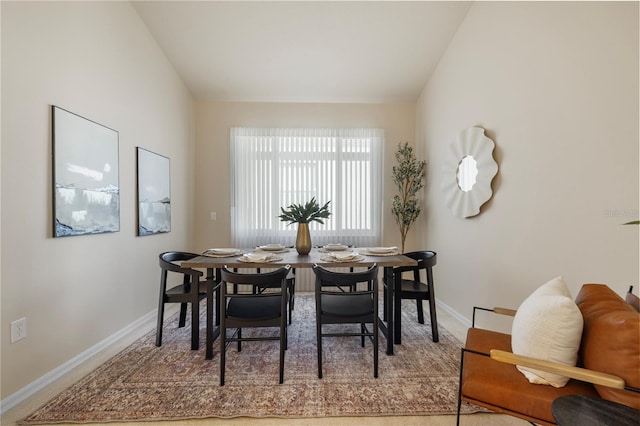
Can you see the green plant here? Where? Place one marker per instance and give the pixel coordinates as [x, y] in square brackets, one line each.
[408, 175]
[310, 212]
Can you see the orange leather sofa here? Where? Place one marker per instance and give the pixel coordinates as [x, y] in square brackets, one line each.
[608, 362]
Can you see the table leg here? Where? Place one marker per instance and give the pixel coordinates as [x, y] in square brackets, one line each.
[397, 309]
[389, 307]
[213, 286]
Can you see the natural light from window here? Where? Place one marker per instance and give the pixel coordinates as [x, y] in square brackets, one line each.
[273, 168]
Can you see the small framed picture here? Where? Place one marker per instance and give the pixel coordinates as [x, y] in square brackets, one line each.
[154, 193]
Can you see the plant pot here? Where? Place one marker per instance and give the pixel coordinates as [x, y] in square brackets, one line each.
[303, 240]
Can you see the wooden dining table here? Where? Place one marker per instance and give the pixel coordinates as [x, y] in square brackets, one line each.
[389, 324]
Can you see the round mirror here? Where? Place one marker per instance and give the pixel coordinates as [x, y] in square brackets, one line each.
[467, 172]
[468, 169]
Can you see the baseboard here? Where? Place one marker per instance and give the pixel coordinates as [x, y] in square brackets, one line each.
[453, 313]
[46, 380]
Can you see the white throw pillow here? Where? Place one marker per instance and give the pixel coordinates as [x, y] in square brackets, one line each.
[548, 326]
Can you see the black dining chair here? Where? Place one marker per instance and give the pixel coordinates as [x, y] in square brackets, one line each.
[255, 300]
[347, 298]
[190, 291]
[418, 290]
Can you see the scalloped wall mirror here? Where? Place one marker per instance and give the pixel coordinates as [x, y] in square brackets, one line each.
[467, 171]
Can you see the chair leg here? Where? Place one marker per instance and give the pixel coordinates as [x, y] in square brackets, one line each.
[460, 387]
[434, 319]
[432, 307]
[385, 312]
[183, 314]
[160, 323]
[283, 344]
[375, 349]
[319, 345]
[420, 311]
[195, 324]
[292, 298]
[363, 330]
[223, 351]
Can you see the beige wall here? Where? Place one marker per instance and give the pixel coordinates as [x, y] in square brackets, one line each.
[214, 119]
[98, 60]
[556, 86]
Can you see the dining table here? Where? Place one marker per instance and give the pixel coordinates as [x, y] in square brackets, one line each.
[389, 324]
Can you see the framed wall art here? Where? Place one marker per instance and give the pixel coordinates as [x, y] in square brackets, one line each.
[154, 193]
[86, 197]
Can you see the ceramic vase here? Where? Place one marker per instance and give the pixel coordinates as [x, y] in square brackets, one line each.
[303, 240]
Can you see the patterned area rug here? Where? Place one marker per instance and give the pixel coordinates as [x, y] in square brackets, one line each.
[144, 382]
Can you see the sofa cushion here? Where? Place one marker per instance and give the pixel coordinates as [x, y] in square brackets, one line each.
[611, 340]
[548, 326]
[500, 387]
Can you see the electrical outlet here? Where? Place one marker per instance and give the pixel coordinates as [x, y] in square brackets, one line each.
[213, 216]
[18, 329]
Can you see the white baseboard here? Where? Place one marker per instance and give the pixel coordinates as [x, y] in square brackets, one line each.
[453, 313]
[46, 380]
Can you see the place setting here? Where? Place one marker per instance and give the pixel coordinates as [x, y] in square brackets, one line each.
[222, 252]
[259, 257]
[380, 251]
[272, 248]
[339, 253]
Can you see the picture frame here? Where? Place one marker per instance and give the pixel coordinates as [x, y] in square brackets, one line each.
[86, 188]
[153, 193]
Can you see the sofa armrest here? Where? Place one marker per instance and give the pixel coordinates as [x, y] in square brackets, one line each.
[577, 373]
[495, 310]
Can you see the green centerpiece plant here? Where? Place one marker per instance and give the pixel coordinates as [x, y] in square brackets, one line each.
[408, 175]
[302, 215]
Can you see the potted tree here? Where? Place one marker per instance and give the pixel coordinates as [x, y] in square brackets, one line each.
[408, 175]
[302, 215]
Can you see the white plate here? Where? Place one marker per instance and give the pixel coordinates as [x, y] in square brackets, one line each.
[256, 258]
[335, 247]
[272, 247]
[221, 251]
[382, 250]
[330, 258]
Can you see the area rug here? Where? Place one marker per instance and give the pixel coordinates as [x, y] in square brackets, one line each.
[148, 383]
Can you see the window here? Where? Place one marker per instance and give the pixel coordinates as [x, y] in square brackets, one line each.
[273, 168]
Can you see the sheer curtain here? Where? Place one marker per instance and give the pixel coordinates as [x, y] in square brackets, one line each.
[273, 168]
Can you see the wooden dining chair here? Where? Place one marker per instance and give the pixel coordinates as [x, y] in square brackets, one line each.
[347, 298]
[190, 291]
[416, 289]
[255, 300]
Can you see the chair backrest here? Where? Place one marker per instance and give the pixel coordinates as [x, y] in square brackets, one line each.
[167, 262]
[345, 283]
[426, 259]
[254, 285]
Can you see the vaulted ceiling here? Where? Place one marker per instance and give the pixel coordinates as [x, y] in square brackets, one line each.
[306, 51]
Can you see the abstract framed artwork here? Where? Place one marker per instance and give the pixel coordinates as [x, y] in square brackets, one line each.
[154, 193]
[86, 197]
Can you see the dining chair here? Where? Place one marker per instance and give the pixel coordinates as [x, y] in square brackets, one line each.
[347, 298]
[418, 290]
[291, 289]
[190, 291]
[256, 300]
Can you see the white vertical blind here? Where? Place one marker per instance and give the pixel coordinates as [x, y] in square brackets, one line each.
[273, 168]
